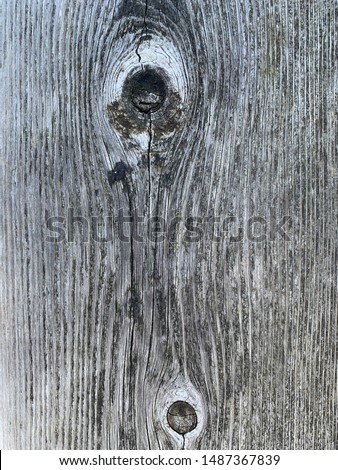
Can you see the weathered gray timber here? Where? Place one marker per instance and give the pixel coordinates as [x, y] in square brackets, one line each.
[120, 111]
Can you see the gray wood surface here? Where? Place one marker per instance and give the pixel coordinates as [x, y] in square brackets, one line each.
[99, 339]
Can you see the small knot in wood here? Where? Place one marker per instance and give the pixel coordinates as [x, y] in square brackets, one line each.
[182, 417]
[147, 91]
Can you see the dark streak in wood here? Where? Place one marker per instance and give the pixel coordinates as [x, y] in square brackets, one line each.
[118, 173]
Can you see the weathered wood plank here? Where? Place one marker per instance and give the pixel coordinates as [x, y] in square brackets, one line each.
[98, 338]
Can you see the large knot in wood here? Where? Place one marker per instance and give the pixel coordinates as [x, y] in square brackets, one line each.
[147, 95]
[182, 417]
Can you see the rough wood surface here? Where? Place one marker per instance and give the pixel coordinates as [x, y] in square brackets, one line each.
[98, 339]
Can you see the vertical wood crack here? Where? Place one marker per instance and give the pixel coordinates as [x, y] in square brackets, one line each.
[144, 30]
[150, 132]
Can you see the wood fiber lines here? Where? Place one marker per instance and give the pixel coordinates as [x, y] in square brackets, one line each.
[105, 323]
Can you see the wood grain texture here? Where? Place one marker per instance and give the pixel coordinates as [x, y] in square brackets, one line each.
[99, 339]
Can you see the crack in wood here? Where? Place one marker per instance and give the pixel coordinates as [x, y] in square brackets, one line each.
[144, 28]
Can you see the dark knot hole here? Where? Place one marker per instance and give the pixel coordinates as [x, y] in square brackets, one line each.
[148, 91]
